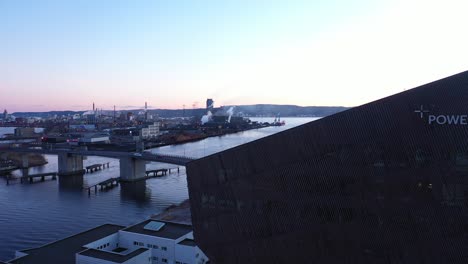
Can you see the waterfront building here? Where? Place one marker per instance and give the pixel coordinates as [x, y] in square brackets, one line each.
[152, 131]
[24, 132]
[385, 182]
[93, 138]
[128, 133]
[63, 251]
[151, 241]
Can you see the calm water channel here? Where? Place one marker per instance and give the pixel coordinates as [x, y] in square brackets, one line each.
[38, 213]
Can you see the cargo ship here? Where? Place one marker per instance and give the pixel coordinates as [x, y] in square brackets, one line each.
[278, 122]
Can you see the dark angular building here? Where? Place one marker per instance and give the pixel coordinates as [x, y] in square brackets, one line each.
[385, 182]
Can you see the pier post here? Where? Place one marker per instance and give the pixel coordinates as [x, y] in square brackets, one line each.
[25, 172]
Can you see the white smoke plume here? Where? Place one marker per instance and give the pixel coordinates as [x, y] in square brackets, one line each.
[206, 117]
[230, 112]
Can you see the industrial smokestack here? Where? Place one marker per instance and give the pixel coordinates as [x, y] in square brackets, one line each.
[209, 104]
[146, 111]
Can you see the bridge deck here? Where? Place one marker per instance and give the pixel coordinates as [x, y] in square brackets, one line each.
[148, 156]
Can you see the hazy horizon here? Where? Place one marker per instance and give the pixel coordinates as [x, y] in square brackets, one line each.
[133, 108]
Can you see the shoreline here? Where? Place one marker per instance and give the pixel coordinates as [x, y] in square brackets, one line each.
[34, 160]
[176, 213]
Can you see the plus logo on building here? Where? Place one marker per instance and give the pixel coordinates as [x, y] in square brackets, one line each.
[442, 119]
[421, 111]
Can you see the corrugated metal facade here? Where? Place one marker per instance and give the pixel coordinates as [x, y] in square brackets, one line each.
[386, 182]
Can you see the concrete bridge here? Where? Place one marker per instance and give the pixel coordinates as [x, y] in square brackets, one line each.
[132, 164]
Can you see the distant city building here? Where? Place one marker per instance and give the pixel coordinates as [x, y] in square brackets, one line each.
[128, 134]
[5, 114]
[21, 120]
[385, 182]
[82, 127]
[130, 116]
[151, 241]
[94, 138]
[122, 117]
[91, 119]
[209, 104]
[24, 132]
[152, 131]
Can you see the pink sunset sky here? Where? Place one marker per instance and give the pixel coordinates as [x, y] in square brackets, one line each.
[61, 55]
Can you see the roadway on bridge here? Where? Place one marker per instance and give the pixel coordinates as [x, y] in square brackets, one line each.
[147, 156]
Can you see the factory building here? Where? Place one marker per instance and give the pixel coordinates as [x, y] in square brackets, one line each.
[152, 131]
[209, 104]
[385, 182]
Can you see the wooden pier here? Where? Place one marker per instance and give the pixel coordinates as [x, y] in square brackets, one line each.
[159, 172]
[96, 167]
[106, 184]
[156, 173]
[31, 177]
[112, 182]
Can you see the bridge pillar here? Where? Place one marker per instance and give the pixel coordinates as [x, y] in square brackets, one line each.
[68, 163]
[132, 169]
[25, 165]
[25, 161]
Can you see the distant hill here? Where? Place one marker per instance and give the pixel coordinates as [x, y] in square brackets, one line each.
[287, 110]
[245, 110]
[46, 114]
[256, 110]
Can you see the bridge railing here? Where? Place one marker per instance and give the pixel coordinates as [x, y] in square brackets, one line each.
[172, 156]
[47, 149]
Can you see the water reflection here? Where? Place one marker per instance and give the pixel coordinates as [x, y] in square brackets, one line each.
[25, 172]
[135, 191]
[71, 182]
